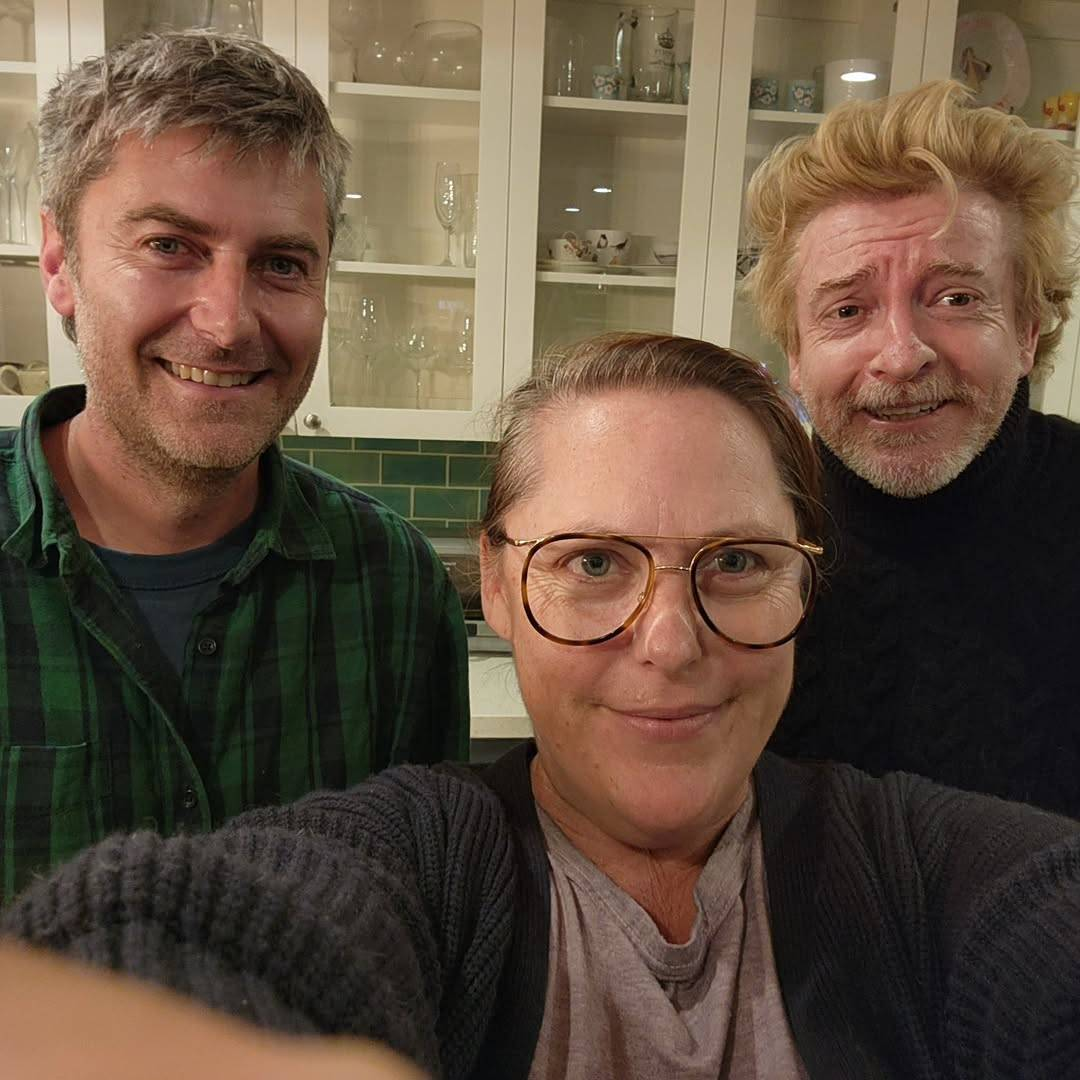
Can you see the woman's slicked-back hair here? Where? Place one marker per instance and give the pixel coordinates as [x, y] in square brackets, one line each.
[658, 364]
[909, 143]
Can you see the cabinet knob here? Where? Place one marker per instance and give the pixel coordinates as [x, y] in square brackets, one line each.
[313, 421]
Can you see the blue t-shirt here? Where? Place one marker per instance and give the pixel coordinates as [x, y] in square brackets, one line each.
[170, 590]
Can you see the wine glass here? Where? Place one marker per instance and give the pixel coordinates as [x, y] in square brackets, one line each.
[233, 17]
[26, 158]
[348, 21]
[8, 152]
[448, 201]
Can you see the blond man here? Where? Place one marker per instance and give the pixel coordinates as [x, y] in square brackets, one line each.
[916, 268]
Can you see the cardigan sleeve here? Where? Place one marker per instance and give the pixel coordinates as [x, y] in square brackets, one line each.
[381, 912]
[1003, 887]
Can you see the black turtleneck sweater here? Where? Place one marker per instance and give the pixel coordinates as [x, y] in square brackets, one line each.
[946, 638]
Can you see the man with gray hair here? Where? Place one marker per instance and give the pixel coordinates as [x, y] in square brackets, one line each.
[192, 624]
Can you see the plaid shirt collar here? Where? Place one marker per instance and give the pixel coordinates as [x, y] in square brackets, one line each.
[285, 523]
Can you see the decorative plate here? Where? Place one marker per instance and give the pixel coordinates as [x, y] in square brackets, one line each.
[991, 57]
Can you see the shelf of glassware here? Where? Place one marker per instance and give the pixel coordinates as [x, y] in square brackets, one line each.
[635, 119]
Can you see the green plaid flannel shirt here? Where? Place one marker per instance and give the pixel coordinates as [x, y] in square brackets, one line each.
[334, 648]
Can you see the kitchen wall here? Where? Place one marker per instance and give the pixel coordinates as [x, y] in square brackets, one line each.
[440, 486]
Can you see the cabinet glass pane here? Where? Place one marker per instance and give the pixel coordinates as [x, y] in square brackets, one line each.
[23, 349]
[124, 18]
[405, 92]
[1023, 57]
[613, 143]
[804, 56]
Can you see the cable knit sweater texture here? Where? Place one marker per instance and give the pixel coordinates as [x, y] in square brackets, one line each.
[946, 638]
[919, 932]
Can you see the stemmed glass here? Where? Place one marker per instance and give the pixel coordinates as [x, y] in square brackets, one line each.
[348, 21]
[8, 153]
[448, 201]
[232, 16]
[26, 157]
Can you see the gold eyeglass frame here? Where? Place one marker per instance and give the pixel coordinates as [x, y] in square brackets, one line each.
[712, 543]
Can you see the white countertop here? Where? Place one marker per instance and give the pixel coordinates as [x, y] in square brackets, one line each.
[497, 709]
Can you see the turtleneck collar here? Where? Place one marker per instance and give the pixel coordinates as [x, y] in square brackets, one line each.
[988, 481]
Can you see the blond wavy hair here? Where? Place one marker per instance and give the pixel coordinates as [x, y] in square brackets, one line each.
[906, 144]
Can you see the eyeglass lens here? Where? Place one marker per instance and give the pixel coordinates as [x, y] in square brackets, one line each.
[580, 589]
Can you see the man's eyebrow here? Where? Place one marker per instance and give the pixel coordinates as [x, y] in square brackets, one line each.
[839, 284]
[168, 215]
[948, 268]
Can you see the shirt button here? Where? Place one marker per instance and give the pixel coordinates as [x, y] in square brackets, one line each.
[191, 799]
[207, 646]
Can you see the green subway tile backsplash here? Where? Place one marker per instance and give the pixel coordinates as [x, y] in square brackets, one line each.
[427, 469]
[389, 444]
[352, 466]
[440, 485]
[446, 446]
[316, 442]
[469, 471]
[459, 503]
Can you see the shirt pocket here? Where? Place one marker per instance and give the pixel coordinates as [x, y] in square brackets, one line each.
[52, 805]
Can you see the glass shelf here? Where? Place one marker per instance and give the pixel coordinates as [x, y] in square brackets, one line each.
[619, 119]
[628, 281]
[352, 266]
[415, 93]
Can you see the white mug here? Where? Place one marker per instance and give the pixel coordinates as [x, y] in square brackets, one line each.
[28, 381]
[612, 246]
[568, 248]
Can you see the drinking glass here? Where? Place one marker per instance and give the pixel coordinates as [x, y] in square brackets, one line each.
[8, 154]
[418, 354]
[233, 16]
[564, 51]
[469, 223]
[448, 201]
[26, 157]
[654, 53]
[348, 21]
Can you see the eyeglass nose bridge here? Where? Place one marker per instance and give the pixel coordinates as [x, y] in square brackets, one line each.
[646, 596]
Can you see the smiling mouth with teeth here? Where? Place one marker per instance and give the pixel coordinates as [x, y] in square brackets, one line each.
[210, 378]
[906, 412]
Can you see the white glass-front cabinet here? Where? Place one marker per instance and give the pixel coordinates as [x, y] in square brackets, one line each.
[1025, 55]
[611, 170]
[527, 172]
[421, 89]
[30, 56]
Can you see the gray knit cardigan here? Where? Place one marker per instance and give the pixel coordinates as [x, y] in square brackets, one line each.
[919, 932]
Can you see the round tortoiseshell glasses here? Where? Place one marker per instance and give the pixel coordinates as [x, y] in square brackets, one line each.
[586, 588]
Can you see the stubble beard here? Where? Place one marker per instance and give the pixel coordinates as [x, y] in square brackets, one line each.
[908, 465]
[183, 462]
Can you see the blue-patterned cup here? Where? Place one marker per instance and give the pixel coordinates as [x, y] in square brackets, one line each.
[764, 92]
[802, 95]
[606, 81]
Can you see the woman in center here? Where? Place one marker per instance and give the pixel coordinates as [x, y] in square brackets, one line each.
[648, 549]
[642, 892]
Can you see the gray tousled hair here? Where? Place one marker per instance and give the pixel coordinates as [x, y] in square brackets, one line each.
[249, 99]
